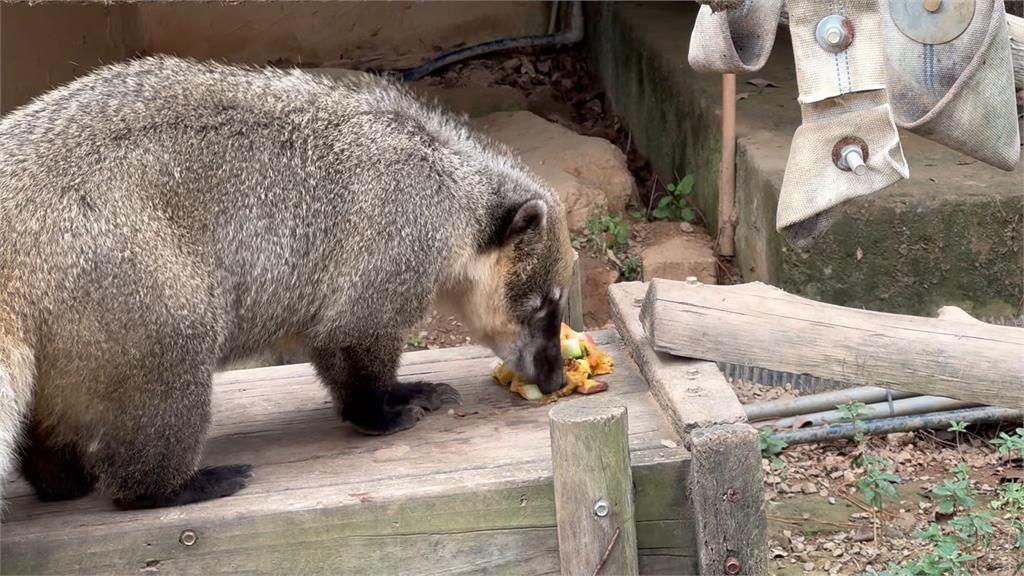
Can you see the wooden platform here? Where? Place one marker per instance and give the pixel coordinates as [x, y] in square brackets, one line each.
[457, 494]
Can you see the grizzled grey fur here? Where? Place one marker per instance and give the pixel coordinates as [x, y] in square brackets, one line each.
[161, 217]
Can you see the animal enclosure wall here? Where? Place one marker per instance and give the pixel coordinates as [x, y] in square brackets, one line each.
[46, 44]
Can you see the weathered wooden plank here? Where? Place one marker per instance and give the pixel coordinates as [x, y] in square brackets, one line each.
[692, 393]
[504, 529]
[759, 325]
[471, 493]
[593, 488]
[728, 500]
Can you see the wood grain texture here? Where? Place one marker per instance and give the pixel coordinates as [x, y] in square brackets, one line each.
[692, 393]
[590, 454]
[759, 325]
[728, 500]
[456, 494]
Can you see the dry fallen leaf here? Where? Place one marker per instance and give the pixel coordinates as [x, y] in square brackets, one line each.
[761, 83]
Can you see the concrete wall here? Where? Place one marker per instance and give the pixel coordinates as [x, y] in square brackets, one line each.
[43, 45]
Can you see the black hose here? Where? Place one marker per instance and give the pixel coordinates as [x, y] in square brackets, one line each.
[571, 36]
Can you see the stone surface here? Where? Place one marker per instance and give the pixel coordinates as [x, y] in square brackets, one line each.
[674, 255]
[953, 234]
[590, 174]
[598, 275]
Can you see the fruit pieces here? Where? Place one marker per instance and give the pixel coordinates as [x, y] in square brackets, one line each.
[582, 360]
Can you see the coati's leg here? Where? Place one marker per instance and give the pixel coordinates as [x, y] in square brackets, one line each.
[147, 454]
[55, 470]
[361, 379]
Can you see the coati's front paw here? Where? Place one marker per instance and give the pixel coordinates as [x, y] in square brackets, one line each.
[389, 420]
[426, 395]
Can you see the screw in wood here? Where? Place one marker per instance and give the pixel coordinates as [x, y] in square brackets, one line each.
[188, 537]
[601, 508]
[732, 495]
[692, 373]
[733, 565]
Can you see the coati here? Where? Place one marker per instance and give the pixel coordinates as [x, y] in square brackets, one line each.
[162, 216]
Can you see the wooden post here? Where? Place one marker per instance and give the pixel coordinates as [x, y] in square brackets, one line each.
[574, 305]
[727, 170]
[728, 500]
[593, 488]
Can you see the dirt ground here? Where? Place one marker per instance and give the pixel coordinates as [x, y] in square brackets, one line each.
[819, 521]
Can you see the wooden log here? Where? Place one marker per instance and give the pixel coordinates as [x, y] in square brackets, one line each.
[593, 488]
[759, 325]
[691, 393]
[728, 500]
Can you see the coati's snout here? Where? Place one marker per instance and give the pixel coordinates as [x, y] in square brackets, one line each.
[537, 355]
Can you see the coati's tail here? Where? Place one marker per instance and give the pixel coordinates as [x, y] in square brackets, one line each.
[17, 375]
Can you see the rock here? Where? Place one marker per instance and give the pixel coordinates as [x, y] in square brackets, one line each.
[550, 105]
[598, 275]
[808, 566]
[589, 174]
[675, 256]
[472, 99]
[809, 488]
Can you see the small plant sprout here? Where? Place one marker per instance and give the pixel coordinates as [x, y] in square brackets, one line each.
[1007, 442]
[953, 494]
[674, 205]
[771, 447]
[1010, 498]
[851, 412]
[877, 485]
[417, 342]
[957, 426]
[970, 527]
[632, 268]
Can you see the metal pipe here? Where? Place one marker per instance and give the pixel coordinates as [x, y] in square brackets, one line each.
[904, 407]
[571, 36]
[817, 402]
[982, 415]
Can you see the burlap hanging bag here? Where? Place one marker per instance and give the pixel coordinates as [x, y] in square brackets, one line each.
[734, 36]
[844, 103]
[950, 76]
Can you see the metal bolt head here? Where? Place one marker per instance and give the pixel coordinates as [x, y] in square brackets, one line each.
[932, 5]
[188, 537]
[692, 281]
[853, 159]
[692, 373]
[601, 508]
[833, 33]
[733, 565]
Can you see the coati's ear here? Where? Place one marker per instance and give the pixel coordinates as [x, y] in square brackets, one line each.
[530, 215]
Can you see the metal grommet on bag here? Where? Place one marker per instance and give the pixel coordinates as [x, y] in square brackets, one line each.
[834, 33]
[851, 154]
